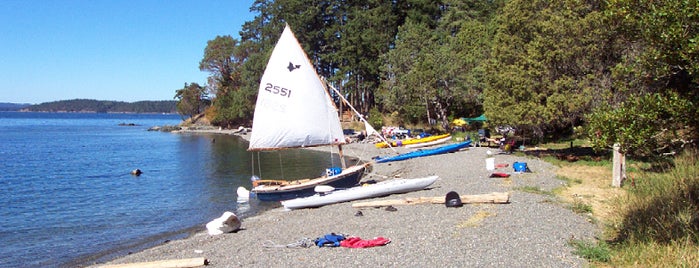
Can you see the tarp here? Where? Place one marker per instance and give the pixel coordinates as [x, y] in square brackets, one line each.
[480, 118]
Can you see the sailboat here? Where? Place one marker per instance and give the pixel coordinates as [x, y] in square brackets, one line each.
[295, 110]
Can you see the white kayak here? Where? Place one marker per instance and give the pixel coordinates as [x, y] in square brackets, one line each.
[361, 192]
[429, 143]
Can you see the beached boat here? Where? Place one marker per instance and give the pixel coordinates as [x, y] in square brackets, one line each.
[406, 142]
[294, 110]
[383, 188]
[429, 143]
[425, 152]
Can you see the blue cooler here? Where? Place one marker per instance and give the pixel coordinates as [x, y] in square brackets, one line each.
[333, 171]
[520, 167]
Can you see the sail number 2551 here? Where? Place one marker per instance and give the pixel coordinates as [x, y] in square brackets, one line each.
[284, 92]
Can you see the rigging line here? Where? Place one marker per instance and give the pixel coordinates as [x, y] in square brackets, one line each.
[330, 128]
[252, 163]
[259, 166]
[361, 118]
[331, 152]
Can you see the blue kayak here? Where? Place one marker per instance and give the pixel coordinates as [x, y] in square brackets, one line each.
[426, 152]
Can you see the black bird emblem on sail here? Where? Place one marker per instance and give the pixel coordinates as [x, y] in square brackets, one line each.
[292, 67]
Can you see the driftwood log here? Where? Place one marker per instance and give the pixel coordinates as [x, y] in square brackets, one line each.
[175, 263]
[491, 198]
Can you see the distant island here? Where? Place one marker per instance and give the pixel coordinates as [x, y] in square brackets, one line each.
[98, 106]
[6, 106]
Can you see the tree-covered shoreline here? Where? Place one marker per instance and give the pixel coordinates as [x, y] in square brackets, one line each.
[101, 106]
[619, 71]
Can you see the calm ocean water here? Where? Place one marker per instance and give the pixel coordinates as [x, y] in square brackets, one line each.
[68, 198]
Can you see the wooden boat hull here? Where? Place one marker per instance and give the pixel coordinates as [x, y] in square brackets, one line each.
[420, 153]
[361, 192]
[302, 188]
[412, 141]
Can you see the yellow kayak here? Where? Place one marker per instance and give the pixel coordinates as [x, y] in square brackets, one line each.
[412, 141]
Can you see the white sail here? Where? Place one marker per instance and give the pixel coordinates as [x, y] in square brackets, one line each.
[293, 109]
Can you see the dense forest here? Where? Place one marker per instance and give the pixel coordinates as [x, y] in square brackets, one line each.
[613, 71]
[97, 106]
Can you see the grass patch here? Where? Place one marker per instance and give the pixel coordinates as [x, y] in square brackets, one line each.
[592, 251]
[534, 190]
[654, 254]
[653, 221]
[581, 208]
[569, 181]
[663, 207]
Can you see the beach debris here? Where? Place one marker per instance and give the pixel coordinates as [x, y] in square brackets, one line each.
[391, 208]
[359, 213]
[452, 200]
[227, 223]
[302, 243]
[491, 198]
[192, 262]
[136, 172]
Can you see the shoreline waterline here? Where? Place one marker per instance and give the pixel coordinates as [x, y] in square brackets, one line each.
[530, 230]
[181, 234]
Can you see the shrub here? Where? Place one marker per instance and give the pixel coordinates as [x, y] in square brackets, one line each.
[664, 207]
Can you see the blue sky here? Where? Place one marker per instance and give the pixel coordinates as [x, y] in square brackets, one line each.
[108, 49]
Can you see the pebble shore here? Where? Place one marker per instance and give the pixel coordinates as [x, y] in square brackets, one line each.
[533, 230]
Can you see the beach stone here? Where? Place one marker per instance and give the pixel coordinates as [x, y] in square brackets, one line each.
[227, 223]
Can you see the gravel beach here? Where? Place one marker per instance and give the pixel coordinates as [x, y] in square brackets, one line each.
[533, 230]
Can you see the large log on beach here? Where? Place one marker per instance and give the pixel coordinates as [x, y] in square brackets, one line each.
[491, 198]
[176, 263]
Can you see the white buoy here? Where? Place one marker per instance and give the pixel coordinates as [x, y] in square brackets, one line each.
[243, 194]
[323, 189]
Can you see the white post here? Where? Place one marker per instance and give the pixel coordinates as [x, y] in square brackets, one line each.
[618, 167]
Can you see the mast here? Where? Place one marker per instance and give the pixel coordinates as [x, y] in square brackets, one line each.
[342, 157]
[361, 118]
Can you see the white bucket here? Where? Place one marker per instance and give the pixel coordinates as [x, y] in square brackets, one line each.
[490, 163]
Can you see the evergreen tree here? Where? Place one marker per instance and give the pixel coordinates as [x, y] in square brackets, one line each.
[653, 106]
[548, 65]
[403, 90]
[191, 100]
[223, 59]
